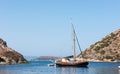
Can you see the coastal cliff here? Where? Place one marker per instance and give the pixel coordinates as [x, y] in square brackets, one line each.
[8, 55]
[106, 50]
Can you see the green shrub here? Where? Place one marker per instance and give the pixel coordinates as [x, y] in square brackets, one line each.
[97, 48]
[109, 57]
[102, 52]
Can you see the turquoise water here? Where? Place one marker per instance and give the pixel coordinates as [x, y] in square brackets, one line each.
[41, 67]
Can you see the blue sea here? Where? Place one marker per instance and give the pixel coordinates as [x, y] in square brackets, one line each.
[41, 67]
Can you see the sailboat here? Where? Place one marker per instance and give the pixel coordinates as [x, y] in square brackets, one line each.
[72, 60]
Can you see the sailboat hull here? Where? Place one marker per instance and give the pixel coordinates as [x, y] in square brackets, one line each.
[72, 64]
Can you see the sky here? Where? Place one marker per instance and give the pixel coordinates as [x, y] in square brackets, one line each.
[43, 27]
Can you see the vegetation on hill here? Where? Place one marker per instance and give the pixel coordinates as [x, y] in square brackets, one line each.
[108, 49]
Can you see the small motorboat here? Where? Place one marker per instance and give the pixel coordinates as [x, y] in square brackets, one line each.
[51, 64]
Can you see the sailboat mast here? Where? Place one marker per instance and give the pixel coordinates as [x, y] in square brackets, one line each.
[74, 45]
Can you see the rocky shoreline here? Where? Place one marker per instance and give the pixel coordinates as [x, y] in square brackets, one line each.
[9, 56]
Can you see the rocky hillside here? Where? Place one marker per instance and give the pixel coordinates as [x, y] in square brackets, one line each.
[8, 55]
[108, 49]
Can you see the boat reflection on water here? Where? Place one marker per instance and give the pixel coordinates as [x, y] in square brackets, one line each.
[68, 70]
[72, 70]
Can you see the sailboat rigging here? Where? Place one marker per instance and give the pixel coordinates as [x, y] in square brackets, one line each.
[75, 37]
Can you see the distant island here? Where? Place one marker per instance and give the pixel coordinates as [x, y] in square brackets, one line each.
[9, 56]
[46, 58]
[106, 50]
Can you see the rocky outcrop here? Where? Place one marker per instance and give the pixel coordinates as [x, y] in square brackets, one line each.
[8, 55]
[108, 49]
